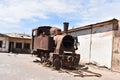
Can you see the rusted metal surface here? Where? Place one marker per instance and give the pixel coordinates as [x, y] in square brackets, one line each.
[49, 42]
[43, 42]
[40, 40]
[55, 31]
[66, 24]
[64, 43]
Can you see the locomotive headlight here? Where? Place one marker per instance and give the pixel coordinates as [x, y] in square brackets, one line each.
[68, 41]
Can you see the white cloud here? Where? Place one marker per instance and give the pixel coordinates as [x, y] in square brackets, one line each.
[14, 12]
[100, 11]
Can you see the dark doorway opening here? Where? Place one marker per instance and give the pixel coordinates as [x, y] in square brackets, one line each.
[11, 46]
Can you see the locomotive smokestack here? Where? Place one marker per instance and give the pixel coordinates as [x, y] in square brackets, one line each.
[66, 25]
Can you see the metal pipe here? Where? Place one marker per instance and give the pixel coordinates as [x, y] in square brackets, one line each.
[66, 25]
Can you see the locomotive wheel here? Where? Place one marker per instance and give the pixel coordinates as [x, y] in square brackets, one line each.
[57, 63]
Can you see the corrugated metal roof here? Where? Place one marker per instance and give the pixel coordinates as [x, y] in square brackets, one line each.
[3, 35]
[92, 25]
[17, 35]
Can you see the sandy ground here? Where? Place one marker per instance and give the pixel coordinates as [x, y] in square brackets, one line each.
[21, 67]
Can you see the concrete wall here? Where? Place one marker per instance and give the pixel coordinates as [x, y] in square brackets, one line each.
[116, 55]
[84, 37]
[101, 47]
[95, 44]
[5, 44]
[116, 48]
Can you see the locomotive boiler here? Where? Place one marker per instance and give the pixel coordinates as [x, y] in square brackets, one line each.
[55, 47]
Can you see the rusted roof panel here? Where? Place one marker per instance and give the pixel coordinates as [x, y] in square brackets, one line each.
[16, 35]
[93, 25]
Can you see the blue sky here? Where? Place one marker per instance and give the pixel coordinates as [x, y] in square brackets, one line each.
[21, 16]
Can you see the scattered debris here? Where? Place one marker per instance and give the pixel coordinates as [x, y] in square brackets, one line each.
[37, 60]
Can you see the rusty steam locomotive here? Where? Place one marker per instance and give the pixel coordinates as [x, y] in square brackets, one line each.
[55, 47]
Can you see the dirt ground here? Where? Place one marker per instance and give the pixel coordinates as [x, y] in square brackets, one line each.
[22, 67]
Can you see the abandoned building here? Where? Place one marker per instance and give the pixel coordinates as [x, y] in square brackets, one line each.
[16, 43]
[99, 43]
[4, 42]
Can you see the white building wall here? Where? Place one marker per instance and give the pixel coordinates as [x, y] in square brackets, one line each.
[84, 37]
[5, 45]
[101, 47]
[96, 45]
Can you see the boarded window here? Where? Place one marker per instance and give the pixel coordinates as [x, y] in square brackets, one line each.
[26, 46]
[18, 45]
[1, 42]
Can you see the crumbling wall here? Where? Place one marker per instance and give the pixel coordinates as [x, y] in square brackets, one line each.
[5, 44]
[116, 47]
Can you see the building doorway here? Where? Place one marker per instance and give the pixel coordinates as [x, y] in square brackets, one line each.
[11, 46]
